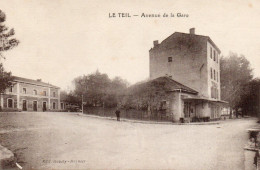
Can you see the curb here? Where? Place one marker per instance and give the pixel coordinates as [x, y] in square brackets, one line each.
[7, 159]
[148, 122]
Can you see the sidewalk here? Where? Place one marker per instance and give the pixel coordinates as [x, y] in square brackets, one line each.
[148, 121]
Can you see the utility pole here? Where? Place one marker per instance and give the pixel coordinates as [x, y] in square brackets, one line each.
[82, 105]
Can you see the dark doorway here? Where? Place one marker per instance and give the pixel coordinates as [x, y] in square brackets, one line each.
[187, 109]
[54, 105]
[44, 108]
[10, 103]
[34, 105]
[24, 105]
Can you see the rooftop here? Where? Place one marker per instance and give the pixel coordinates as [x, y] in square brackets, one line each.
[191, 34]
[166, 83]
[34, 82]
[174, 85]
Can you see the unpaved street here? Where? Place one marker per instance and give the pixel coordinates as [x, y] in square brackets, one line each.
[66, 140]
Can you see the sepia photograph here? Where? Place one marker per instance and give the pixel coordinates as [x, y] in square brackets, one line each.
[110, 84]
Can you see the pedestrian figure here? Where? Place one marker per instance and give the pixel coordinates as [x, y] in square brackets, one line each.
[117, 114]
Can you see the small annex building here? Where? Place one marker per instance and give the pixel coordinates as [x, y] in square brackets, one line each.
[172, 100]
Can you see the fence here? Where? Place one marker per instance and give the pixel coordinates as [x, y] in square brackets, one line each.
[128, 113]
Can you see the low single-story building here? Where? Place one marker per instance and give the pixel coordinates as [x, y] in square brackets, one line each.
[176, 101]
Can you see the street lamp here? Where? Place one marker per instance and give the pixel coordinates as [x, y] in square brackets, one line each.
[82, 105]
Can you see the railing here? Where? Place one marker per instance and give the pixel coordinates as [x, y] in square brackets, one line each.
[129, 113]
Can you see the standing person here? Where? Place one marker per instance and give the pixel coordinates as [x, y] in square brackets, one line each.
[118, 114]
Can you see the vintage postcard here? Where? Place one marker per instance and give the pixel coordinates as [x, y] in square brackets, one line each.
[110, 84]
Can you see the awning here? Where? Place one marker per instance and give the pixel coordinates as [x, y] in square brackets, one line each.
[205, 99]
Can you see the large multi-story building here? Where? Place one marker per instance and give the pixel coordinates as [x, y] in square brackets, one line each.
[31, 95]
[192, 60]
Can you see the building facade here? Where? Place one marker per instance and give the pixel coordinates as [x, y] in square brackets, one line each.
[30, 95]
[192, 60]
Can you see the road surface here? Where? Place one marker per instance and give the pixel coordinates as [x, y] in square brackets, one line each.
[67, 140]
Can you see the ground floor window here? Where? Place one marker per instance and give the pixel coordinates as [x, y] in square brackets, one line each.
[61, 105]
[214, 111]
[10, 103]
[54, 105]
[163, 105]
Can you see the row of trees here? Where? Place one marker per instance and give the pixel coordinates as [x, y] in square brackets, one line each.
[97, 89]
[238, 86]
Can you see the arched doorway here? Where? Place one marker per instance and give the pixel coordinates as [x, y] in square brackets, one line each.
[34, 105]
[24, 105]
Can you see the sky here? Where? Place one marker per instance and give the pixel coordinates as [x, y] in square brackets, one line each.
[63, 39]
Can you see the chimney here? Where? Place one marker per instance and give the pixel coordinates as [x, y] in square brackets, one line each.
[155, 43]
[192, 31]
[39, 80]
